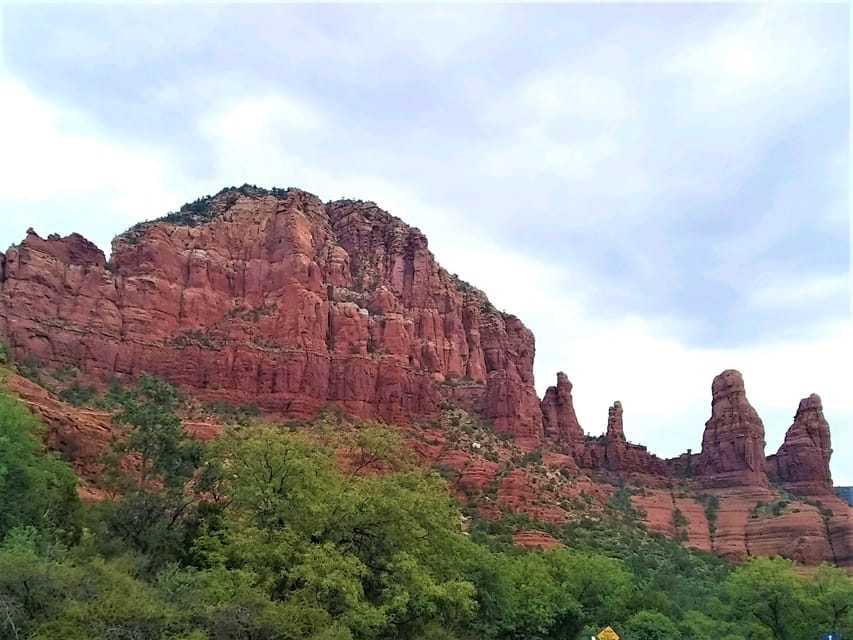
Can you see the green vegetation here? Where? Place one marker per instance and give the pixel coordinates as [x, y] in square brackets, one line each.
[78, 395]
[712, 507]
[372, 347]
[263, 534]
[233, 414]
[252, 314]
[203, 210]
[196, 338]
[38, 489]
[30, 368]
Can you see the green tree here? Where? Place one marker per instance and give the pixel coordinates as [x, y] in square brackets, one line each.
[769, 592]
[31, 586]
[598, 584]
[37, 488]
[371, 556]
[166, 455]
[650, 625]
[156, 510]
[831, 598]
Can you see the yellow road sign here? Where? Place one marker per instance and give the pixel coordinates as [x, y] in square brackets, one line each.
[608, 633]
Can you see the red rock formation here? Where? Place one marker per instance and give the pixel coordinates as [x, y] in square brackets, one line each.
[615, 445]
[517, 494]
[80, 436]
[675, 516]
[799, 534]
[478, 475]
[802, 462]
[615, 453]
[559, 421]
[276, 297]
[537, 539]
[733, 442]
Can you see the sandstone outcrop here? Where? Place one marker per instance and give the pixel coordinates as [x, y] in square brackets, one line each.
[276, 296]
[614, 453]
[733, 441]
[802, 462]
[559, 421]
[536, 539]
[79, 436]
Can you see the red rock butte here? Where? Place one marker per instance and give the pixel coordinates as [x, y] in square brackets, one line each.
[280, 297]
[274, 297]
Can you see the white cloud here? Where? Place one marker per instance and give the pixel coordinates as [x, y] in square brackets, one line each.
[576, 94]
[51, 157]
[805, 292]
[438, 34]
[747, 62]
[568, 123]
[253, 119]
[687, 119]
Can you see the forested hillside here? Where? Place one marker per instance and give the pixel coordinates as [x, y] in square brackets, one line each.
[327, 533]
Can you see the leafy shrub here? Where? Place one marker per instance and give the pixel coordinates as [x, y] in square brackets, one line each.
[30, 368]
[233, 414]
[77, 395]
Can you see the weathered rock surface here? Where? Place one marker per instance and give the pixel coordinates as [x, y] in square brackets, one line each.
[674, 515]
[733, 442]
[517, 494]
[537, 539]
[623, 456]
[80, 436]
[802, 462]
[277, 297]
[798, 533]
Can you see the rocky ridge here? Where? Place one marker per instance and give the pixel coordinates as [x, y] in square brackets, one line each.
[277, 297]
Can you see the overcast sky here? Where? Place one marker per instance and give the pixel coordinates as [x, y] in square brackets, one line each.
[659, 191]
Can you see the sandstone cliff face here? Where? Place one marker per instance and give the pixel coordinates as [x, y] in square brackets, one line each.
[802, 462]
[276, 296]
[733, 442]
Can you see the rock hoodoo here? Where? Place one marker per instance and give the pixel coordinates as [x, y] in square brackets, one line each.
[733, 442]
[802, 462]
[615, 444]
[559, 421]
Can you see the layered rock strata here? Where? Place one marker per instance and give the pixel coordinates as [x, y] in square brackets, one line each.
[278, 297]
